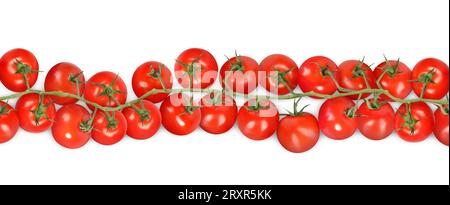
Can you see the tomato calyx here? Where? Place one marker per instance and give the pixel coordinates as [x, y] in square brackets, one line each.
[297, 112]
[256, 106]
[324, 70]
[236, 66]
[191, 69]
[425, 78]
[280, 77]
[109, 91]
[156, 73]
[359, 71]
[74, 79]
[24, 69]
[375, 104]
[40, 110]
[111, 120]
[143, 113]
[392, 71]
[410, 122]
[4, 110]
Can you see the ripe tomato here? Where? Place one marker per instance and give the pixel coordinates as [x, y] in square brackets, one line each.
[71, 128]
[14, 66]
[350, 76]
[106, 89]
[143, 120]
[152, 75]
[9, 122]
[36, 113]
[180, 114]
[375, 121]
[396, 79]
[109, 127]
[258, 121]
[441, 126]
[414, 124]
[298, 133]
[435, 73]
[241, 74]
[314, 75]
[64, 77]
[278, 74]
[200, 64]
[219, 113]
[336, 118]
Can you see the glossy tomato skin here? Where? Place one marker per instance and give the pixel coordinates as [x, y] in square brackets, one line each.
[217, 118]
[398, 84]
[8, 68]
[375, 123]
[59, 78]
[311, 77]
[141, 129]
[260, 124]
[298, 133]
[175, 117]
[203, 77]
[346, 79]
[109, 135]
[333, 121]
[93, 90]
[66, 129]
[9, 122]
[269, 67]
[29, 103]
[423, 127]
[441, 126]
[145, 80]
[241, 81]
[439, 87]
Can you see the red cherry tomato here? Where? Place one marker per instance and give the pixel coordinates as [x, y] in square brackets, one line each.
[258, 121]
[16, 63]
[143, 120]
[36, 113]
[9, 122]
[71, 128]
[64, 77]
[278, 74]
[298, 133]
[375, 121]
[241, 74]
[336, 119]
[441, 126]
[200, 63]
[106, 89]
[148, 76]
[314, 75]
[109, 127]
[435, 73]
[414, 124]
[219, 113]
[180, 114]
[396, 79]
[350, 76]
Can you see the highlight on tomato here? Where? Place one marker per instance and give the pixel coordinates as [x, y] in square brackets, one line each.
[152, 75]
[430, 79]
[258, 119]
[36, 112]
[65, 77]
[72, 127]
[219, 112]
[196, 68]
[239, 74]
[143, 120]
[278, 74]
[107, 89]
[316, 75]
[19, 70]
[414, 122]
[394, 77]
[9, 122]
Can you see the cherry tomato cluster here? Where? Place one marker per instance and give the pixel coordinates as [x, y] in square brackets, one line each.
[108, 117]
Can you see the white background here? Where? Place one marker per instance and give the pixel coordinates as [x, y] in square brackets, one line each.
[120, 35]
